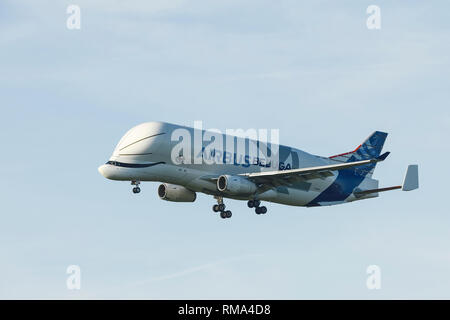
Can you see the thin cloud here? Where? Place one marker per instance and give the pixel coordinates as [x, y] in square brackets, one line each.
[197, 269]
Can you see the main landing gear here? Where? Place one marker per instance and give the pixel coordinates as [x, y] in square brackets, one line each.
[220, 207]
[136, 189]
[256, 204]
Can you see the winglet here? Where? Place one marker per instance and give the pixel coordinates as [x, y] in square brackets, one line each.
[411, 180]
[383, 156]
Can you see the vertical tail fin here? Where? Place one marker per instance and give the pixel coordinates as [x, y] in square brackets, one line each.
[369, 149]
[411, 180]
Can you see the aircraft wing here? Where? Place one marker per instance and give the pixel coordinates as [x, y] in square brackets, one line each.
[278, 177]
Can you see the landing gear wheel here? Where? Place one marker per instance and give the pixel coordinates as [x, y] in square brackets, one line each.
[136, 190]
[263, 209]
[220, 207]
[256, 203]
[251, 203]
[258, 210]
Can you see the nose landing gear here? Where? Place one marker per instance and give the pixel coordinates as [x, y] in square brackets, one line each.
[256, 204]
[220, 207]
[136, 189]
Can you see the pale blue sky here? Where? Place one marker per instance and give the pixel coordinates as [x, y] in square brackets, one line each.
[311, 69]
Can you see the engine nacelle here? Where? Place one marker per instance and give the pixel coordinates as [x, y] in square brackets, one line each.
[176, 193]
[235, 185]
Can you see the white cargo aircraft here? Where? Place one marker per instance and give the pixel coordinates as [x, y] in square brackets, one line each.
[291, 177]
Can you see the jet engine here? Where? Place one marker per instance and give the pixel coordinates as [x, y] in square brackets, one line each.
[235, 185]
[176, 193]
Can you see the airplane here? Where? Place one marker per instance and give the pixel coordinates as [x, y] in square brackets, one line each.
[148, 152]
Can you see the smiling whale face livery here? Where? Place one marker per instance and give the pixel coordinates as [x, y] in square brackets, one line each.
[188, 160]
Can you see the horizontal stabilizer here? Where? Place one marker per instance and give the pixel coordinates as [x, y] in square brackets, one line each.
[360, 193]
[383, 156]
[411, 181]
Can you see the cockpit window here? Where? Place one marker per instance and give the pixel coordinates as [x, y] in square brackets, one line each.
[133, 165]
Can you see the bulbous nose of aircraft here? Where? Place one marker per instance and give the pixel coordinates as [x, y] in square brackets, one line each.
[140, 140]
[104, 171]
[113, 171]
